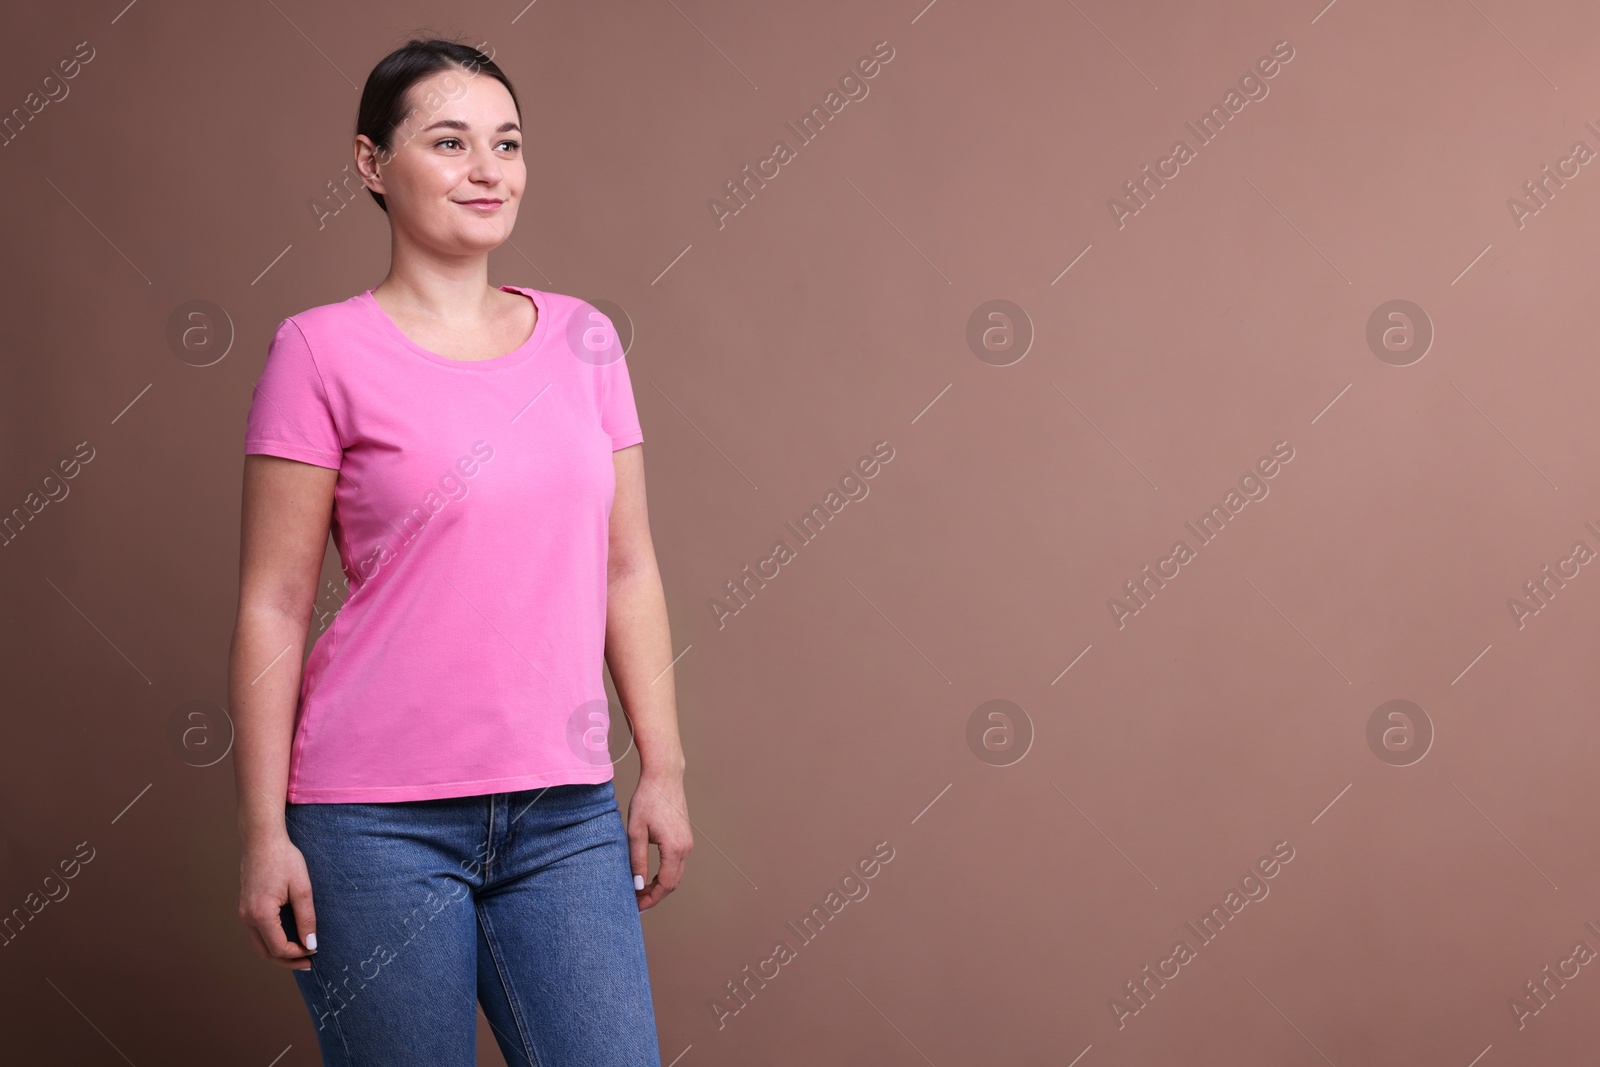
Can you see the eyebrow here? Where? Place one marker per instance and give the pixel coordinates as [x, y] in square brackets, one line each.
[457, 124]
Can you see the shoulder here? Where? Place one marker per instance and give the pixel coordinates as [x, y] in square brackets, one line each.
[337, 315]
[328, 329]
[561, 307]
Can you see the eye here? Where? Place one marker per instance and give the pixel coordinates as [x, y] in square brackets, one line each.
[515, 144]
[447, 140]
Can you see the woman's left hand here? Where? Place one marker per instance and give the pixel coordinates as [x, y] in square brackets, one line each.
[658, 814]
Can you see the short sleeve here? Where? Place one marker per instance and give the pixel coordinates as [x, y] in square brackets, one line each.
[618, 415]
[290, 415]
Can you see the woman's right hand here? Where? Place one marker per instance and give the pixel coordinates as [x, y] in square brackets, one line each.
[272, 872]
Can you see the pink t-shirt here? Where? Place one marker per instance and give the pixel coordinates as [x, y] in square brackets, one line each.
[471, 516]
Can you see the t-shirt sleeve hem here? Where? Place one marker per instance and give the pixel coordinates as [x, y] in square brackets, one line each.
[298, 452]
[623, 440]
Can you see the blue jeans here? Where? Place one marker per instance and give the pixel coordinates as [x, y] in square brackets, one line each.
[521, 901]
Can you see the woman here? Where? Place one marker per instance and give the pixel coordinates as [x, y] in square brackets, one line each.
[426, 814]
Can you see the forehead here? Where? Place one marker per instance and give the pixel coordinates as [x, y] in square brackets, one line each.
[454, 93]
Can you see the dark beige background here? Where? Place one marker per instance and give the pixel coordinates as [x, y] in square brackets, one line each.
[768, 355]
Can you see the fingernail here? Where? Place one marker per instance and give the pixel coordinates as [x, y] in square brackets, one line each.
[638, 881]
[311, 942]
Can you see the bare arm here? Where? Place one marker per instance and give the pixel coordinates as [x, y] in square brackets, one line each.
[638, 650]
[284, 530]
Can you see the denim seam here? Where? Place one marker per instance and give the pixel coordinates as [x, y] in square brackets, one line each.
[511, 999]
[488, 843]
[328, 1003]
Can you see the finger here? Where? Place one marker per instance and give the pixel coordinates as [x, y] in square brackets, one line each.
[673, 858]
[267, 920]
[305, 916]
[653, 894]
[254, 935]
[639, 855]
[296, 961]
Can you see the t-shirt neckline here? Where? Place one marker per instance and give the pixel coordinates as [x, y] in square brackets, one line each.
[515, 356]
